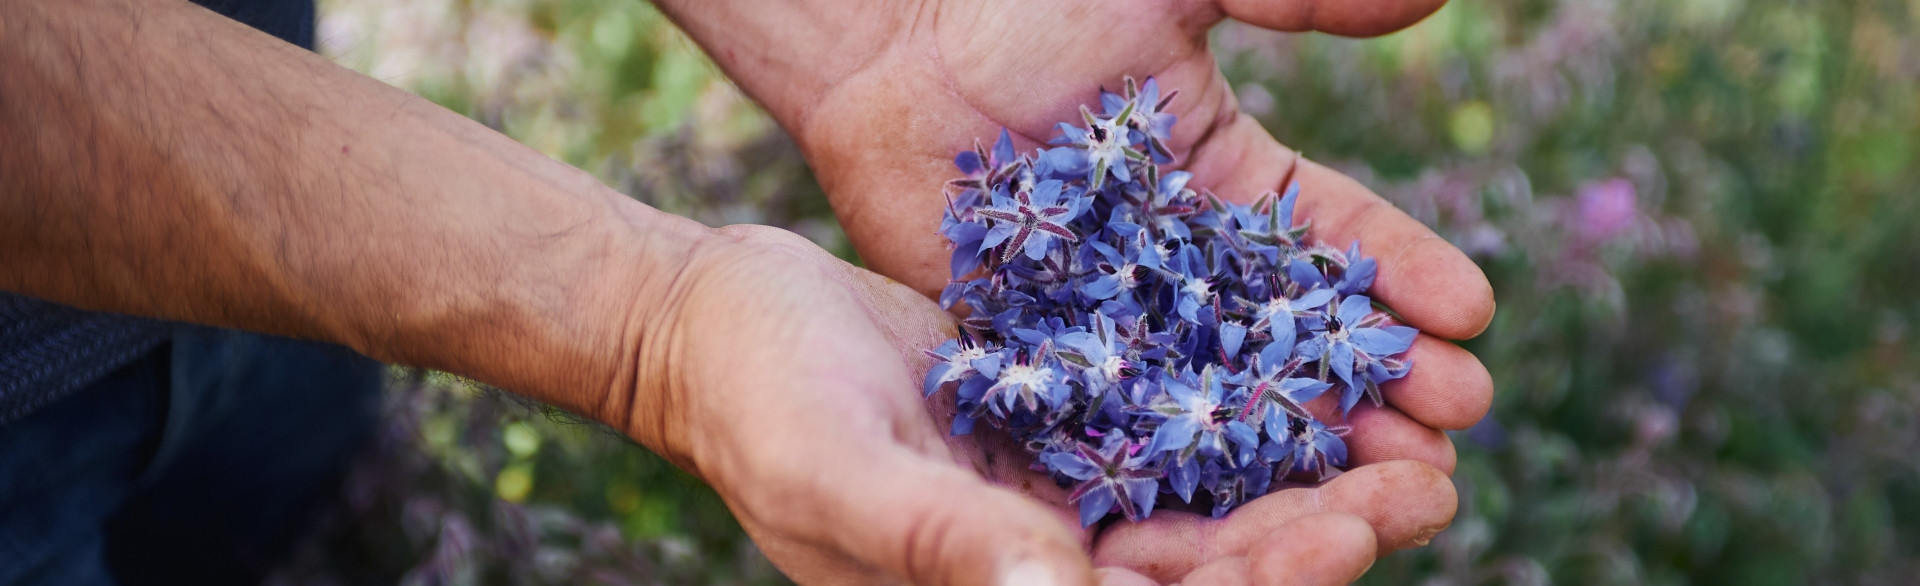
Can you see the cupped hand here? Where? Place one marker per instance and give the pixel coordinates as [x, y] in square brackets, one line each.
[881, 96]
[775, 372]
[787, 379]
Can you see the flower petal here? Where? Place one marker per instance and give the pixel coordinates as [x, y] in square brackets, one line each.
[1340, 359]
[1073, 465]
[1307, 275]
[1301, 390]
[1355, 308]
[1003, 148]
[969, 163]
[1359, 277]
[1142, 492]
[1314, 299]
[1095, 504]
[1184, 477]
[1232, 335]
[936, 376]
[1175, 434]
[962, 425]
[1377, 342]
[1331, 445]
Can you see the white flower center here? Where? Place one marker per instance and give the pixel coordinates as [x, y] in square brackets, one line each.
[1025, 375]
[1199, 288]
[965, 357]
[1126, 277]
[1279, 306]
[1109, 148]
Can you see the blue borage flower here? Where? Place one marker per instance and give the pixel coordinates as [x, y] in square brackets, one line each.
[1142, 338]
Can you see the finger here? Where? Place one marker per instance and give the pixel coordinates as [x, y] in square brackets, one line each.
[1122, 577]
[930, 522]
[1431, 284]
[1327, 548]
[1448, 387]
[1352, 18]
[1406, 504]
[1384, 434]
[1232, 571]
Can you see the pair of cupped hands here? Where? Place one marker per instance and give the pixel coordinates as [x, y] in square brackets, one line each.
[789, 379]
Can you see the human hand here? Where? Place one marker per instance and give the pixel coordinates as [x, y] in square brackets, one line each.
[880, 99]
[787, 379]
[775, 372]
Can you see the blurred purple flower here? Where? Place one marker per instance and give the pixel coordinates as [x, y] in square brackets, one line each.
[1605, 209]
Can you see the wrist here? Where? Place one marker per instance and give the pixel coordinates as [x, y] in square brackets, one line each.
[790, 55]
[609, 354]
[722, 320]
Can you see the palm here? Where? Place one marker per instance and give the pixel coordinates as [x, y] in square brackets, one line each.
[979, 104]
[896, 94]
[953, 84]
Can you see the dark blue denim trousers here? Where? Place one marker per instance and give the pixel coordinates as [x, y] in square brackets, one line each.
[197, 464]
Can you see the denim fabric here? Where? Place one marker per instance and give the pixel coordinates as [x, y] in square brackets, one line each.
[196, 464]
[139, 452]
[49, 350]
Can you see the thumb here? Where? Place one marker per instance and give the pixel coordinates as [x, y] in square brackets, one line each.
[931, 522]
[1347, 18]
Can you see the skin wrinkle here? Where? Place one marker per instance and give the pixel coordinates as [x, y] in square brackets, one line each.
[672, 331]
[1408, 247]
[920, 550]
[1312, 9]
[1226, 112]
[699, 14]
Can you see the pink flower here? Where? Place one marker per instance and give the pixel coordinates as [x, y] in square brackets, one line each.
[1605, 209]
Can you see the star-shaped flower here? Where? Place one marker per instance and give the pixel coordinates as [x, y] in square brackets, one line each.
[1233, 485]
[1145, 113]
[956, 358]
[1268, 226]
[1277, 316]
[1030, 377]
[1031, 221]
[1102, 148]
[1302, 444]
[984, 168]
[1103, 353]
[1356, 271]
[1344, 337]
[1118, 272]
[1195, 417]
[1273, 385]
[1115, 474]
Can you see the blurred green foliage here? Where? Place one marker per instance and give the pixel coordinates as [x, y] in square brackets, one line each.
[1696, 215]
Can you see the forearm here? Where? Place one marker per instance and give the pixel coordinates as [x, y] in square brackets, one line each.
[161, 160]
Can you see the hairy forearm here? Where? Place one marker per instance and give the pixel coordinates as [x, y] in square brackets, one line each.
[157, 159]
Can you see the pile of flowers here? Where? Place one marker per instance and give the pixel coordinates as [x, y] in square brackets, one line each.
[1142, 339]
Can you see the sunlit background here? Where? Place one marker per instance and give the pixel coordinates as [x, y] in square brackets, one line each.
[1698, 216]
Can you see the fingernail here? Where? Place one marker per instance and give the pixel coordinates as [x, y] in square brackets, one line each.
[1030, 572]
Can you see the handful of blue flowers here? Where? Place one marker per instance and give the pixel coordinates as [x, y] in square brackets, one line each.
[1142, 339]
